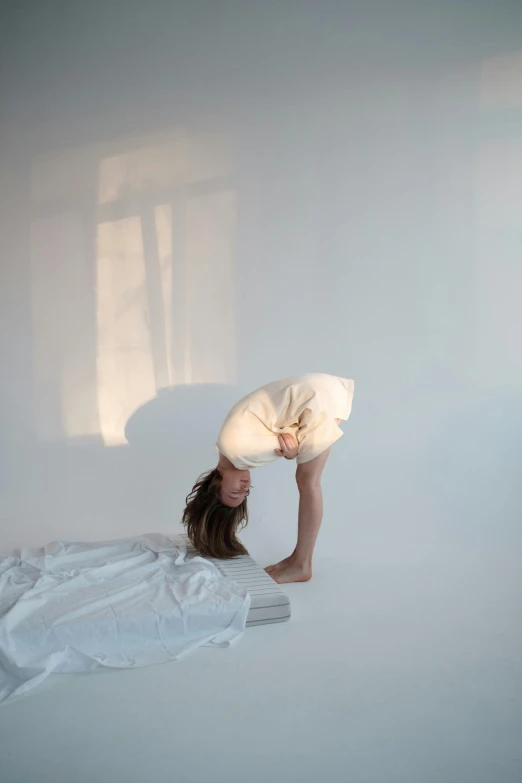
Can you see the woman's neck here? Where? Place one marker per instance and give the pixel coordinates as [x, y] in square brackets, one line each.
[224, 463]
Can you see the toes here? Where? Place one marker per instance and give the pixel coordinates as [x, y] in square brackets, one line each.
[278, 566]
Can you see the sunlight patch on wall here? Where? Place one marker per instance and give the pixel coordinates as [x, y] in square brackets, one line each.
[125, 368]
[133, 278]
[170, 160]
[63, 335]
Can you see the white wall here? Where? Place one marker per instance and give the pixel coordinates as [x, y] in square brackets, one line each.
[222, 194]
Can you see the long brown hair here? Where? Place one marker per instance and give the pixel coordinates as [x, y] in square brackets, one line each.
[212, 526]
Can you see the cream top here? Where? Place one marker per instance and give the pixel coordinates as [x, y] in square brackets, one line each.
[305, 405]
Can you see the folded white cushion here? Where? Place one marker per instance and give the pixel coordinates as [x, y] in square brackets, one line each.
[268, 602]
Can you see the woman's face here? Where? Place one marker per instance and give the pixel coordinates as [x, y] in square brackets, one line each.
[235, 486]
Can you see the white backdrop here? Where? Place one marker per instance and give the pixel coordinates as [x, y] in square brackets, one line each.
[197, 200]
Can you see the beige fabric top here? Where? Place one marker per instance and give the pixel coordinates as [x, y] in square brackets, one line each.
[305, 405]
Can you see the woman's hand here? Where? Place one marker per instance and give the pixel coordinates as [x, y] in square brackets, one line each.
[289, 446]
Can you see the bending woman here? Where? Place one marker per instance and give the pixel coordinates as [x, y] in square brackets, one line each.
[295, 418]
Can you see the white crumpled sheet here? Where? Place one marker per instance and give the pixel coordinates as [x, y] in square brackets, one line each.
[73, 607]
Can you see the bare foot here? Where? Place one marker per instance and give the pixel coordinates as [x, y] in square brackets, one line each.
[271, 568]
[289, 571]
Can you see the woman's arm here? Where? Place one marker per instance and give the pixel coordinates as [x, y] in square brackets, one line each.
[298, 567]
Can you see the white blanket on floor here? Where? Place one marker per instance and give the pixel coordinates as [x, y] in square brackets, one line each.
[72, 607]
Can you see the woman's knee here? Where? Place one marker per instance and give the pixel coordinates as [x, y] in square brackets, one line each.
[307, 480]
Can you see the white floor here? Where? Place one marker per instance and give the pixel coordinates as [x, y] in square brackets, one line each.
[384, 674]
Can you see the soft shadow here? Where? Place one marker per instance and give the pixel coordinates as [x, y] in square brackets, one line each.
[182, 422]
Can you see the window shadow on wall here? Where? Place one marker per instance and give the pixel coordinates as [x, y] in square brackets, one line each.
[132, 278]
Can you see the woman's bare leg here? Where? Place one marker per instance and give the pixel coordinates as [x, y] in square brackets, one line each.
[298, 566]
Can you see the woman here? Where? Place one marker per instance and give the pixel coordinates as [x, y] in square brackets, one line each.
[295, 418]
